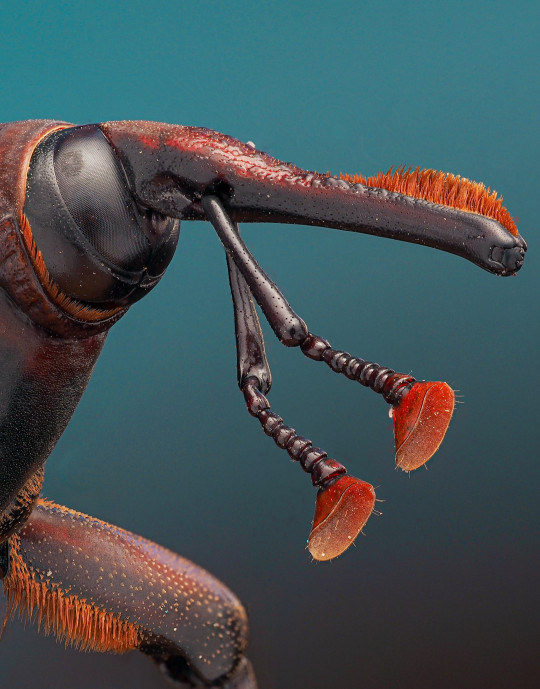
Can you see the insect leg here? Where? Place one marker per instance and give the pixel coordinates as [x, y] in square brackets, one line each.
[101, 588]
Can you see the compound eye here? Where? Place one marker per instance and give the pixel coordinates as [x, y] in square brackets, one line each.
[99, 246]
[163, 232]
[94, 189]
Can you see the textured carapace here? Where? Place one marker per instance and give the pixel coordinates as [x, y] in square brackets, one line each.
[102, 588]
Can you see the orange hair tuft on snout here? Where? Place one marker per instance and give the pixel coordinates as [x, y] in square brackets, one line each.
[443, 188]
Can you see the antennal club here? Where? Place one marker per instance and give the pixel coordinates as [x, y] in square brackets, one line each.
[421, 410]
[343, 503]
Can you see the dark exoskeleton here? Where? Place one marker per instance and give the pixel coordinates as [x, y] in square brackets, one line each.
[89, 221]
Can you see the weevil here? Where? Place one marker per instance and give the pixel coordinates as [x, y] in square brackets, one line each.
[89, 221]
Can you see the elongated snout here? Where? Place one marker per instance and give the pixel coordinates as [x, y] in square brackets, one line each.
[170, 168]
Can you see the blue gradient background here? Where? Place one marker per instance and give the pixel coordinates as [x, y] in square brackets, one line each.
[443, 589]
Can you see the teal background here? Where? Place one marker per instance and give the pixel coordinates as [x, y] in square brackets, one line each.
[443, 589]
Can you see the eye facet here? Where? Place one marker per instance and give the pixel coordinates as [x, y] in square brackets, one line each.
[97, 243]
[95, 193]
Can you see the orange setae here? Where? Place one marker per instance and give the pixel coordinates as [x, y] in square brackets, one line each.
[70, 618]
[443, 188]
